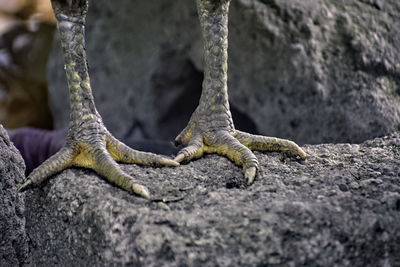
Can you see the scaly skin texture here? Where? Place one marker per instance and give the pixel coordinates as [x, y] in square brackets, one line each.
[211, 129]
[88, 144]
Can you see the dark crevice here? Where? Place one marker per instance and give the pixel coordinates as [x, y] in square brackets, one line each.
[177, 86]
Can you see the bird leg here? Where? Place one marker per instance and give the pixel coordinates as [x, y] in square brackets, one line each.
[211, 129]
[89, 144]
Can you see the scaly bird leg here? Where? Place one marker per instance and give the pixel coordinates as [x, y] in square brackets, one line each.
[211, 129]
[88, 144]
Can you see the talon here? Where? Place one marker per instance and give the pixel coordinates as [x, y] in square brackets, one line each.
[141, 191]
[250, 174]
[169, 162]
[179, 158]
[301, 153]
[25, 185]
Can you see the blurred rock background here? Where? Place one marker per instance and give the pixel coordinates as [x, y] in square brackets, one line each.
[26, 33]
[326, 71]
[312, 71]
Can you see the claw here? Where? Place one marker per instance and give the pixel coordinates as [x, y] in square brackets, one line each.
[141, 191]
[25, 185]
[264, 143]
[250, 174]
[301, 153]
[169, 162]
[179, 158]
[194, 149]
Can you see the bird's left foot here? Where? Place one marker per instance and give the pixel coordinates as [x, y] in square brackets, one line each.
[199, 138]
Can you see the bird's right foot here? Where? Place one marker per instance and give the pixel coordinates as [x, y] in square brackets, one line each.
[95, 148]
[89, 144]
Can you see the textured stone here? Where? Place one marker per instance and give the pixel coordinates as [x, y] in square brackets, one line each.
[315, 72]
[340, 207]
[13, 238]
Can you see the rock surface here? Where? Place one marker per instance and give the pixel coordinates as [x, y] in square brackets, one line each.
[340, 207]
[13, 238]
[315, 72]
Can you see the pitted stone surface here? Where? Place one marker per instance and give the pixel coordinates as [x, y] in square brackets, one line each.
[340, 207]
[13, 238]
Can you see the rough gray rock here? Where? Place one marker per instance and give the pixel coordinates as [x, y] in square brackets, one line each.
[319, 71]
[13, 238]
[340, 207]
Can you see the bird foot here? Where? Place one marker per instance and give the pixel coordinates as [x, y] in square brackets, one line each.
[98, 152]
[234, 144]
